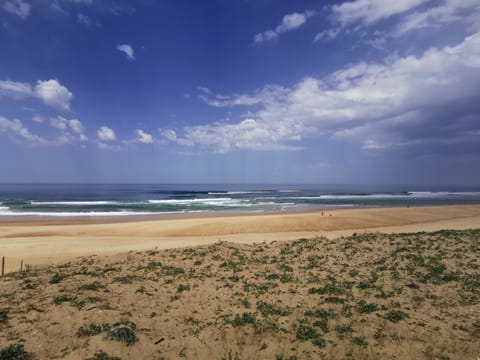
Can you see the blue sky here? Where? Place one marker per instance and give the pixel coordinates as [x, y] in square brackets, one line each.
[240, 91]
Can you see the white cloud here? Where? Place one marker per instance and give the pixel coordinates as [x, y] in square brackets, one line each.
[379, 105]
[143, 137]
[84, 20]
[289, 22]
[16, 128]
[51, 92]
[444, 13]
[371, 11]
[127, 50]
[15, 90]
[54, 94]
[329, 34]
[106, 134]
[248, 134]
[71, 129]
[268, 94]
[17, 7]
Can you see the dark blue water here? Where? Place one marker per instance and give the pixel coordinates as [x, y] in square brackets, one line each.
[65, 200]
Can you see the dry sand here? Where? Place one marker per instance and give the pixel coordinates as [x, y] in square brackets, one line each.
[366, 296]
[47, 242]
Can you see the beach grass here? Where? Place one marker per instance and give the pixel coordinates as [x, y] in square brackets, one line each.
[365, 296]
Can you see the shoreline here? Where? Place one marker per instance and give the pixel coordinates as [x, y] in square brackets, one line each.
[48, 242]
[33, 220]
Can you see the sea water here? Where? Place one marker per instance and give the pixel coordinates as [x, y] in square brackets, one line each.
[119, 200]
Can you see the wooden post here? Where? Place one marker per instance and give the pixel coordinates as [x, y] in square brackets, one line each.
[3, 265]
[21, 265]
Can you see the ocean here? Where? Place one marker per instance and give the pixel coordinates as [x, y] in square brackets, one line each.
[32, 201]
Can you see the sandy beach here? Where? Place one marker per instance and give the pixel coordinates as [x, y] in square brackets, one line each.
[47, 242]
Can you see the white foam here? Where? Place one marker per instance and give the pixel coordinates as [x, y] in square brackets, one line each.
[348, 197]
[238, 192]
[203, 201]
[188, 201]
[429, 194]
[91, 213]
[75, 203]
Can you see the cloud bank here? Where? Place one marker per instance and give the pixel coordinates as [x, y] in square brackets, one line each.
[399, 103]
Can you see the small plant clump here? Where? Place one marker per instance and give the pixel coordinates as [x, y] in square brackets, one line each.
[95, 286]
[102, 355]
[181, 288]
[245, 318]
[56, 278]
[90, 330]
[306, 332]
[14, 352]
[343, 329]
[360, 340]
[396, 315]
[366, 308]
[123, 334]
[3, 315]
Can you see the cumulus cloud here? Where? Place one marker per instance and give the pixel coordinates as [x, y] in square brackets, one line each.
[68, 131]
[401, 102]
[143, 137]
[289, 22]
[17, 7]
[15, 128]
[51, 92]
[71, 129]
[105, 133]
[54, 94]
[127, 50]
[248, 134]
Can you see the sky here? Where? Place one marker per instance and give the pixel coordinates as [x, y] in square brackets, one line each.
[240, 91]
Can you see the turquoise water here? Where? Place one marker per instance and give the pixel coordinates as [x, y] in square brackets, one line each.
[70, 200]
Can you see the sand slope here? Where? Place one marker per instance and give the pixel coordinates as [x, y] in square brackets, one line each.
[368, 296]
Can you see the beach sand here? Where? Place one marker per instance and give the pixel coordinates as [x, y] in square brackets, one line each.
[48, 242]
[361, 296]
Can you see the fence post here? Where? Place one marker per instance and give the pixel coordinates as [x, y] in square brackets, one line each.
[3, 265]
[21, 265]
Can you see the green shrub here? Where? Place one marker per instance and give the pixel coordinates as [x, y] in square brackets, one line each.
[396, 315]
[360, 340]
[306, 332]
[3, 315]
[344, 328]
[245, 318]
[102, 355]
[123, 334]
[57, 278]
[90, 330]
[95, 286]
[182, 288]
[14, 352]
[366, 308]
